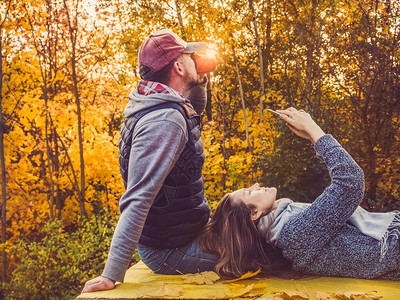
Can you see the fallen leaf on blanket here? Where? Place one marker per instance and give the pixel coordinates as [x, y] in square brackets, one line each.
[238, 290]
[269, 298]
[234, 291]
[304, 295]
[244, 276]
[213, 294]
[349, 295]
[207, 277]
[315, 295]
[160, 291]
[254, 295]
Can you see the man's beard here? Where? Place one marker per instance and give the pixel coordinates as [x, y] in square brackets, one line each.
[192, 82]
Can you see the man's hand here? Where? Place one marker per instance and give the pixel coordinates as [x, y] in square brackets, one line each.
[201, 78]
[98, 284]
[301, 124]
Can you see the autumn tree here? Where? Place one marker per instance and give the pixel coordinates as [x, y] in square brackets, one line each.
[260, 59]
[46, 45]
[5, 9]
[366, 67]
[14, 86]
[26, 154]
[72, 16]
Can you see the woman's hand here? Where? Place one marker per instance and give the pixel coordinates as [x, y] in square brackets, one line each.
[301, 124]
[99, 283]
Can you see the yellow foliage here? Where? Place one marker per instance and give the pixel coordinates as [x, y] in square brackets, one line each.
[28, 181]
[229, 165]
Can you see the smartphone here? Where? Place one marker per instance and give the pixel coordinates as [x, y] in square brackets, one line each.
[274, 112]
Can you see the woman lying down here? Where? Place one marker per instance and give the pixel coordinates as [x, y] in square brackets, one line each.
[333, 236]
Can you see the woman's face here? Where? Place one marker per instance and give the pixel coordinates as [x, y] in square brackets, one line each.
[261, 198]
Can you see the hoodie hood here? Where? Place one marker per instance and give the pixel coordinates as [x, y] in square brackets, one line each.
[139, 102]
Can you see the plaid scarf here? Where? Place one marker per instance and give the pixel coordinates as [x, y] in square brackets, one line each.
[151, 87]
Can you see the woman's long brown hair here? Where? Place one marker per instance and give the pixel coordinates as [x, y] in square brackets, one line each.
[232, 235]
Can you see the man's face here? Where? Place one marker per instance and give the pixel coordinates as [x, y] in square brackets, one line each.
[192, 78]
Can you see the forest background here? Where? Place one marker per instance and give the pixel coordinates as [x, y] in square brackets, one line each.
[67, 67]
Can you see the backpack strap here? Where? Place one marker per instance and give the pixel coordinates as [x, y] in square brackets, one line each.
[125, 140]
[183, 109]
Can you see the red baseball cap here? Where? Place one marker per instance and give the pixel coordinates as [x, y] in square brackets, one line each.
[160, 49]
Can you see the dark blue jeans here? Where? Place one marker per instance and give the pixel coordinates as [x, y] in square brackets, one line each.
[187, 259]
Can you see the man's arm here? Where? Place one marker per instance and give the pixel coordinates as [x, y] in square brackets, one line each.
[156, 147]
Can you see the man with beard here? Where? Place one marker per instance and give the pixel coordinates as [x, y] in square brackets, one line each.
[161, 159]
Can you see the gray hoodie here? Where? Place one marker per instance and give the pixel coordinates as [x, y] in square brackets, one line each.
[159, 138]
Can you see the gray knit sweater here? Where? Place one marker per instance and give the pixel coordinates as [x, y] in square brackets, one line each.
[319, 241]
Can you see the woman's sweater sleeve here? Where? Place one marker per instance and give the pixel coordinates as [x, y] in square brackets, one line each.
[314, 227]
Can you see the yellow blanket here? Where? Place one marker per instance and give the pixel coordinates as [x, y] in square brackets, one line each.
[141, 282]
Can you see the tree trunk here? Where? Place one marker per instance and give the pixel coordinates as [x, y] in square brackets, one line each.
[268, 42]
[48, 150]
[180, 19]
[260, 57]
[371, 177]
[3, 160]
[3, 172]
[208, 104]
[242, 99]
[73, 32]
[310, 44]
[224, 154]
[78, 106]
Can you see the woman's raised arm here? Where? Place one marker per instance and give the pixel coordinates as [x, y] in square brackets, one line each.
[301, 124]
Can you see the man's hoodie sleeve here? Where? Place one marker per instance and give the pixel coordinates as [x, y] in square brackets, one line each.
[198, 96]
[159, 139]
